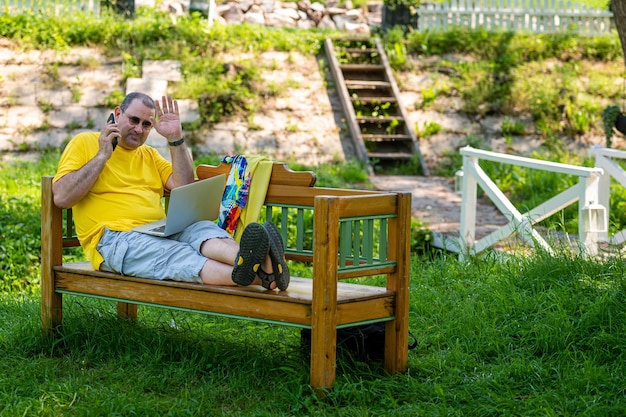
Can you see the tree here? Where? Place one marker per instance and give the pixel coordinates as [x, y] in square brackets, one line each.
[613, 113]
[619, 16]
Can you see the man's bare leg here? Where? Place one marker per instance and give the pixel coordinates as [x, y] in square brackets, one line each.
[221, 254]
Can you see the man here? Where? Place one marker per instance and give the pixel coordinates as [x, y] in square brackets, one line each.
[115, 188]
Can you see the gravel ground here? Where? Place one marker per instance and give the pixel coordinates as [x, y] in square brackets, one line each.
[439, 206]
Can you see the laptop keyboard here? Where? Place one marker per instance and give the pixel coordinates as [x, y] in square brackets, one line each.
[159, 229]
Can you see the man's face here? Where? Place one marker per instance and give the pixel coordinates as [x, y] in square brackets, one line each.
[134, 124]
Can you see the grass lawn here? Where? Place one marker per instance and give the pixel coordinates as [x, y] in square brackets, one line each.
[526, 335]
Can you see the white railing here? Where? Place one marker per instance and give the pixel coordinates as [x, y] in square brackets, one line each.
[539, 16]
[55, 7]
[592, 219]
[604, 159]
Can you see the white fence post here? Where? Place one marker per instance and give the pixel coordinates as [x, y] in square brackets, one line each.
[469, 194]
[604, 160]
[592, 219]
[211, 13]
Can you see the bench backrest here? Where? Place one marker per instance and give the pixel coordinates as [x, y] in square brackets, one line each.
[365, 232]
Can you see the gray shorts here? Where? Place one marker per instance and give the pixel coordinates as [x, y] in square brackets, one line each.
[176, 257]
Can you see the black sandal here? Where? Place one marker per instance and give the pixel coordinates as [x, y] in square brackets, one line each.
[266, 279]
[253, 249]
[277, 256]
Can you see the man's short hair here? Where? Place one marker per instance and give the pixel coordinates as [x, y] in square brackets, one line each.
[146, 100]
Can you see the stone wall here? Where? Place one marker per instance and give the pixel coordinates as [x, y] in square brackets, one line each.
[303, 14]
[36, 113]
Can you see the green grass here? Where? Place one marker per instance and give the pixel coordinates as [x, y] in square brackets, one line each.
[20, 198]
[529, 336]
[522, 335]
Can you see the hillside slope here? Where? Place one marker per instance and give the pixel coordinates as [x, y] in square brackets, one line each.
[47, 97]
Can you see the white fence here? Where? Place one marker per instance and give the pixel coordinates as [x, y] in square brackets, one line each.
[539, 16]
[54, 7]
[605, 159]
[592, 221]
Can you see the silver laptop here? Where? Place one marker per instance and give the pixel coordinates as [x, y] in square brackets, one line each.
[188, 204]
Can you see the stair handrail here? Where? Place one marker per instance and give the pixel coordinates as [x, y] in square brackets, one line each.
[592, 218]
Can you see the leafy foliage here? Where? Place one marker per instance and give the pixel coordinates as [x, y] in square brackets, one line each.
[517, 73]
[609, 116]
[515, 48]
[412, 5]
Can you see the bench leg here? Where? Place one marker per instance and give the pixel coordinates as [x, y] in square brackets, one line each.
[51, 311]
[396, 347]
[397, 330]
[127, 311]
[324, 303]
[323, 357]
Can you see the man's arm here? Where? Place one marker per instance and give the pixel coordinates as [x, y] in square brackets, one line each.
[182, 167]
[169, 126]
[73, 186]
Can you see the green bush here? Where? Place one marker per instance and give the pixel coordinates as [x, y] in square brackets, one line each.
[512, 127]
[514, 47]
[510, 73]
[428, 129]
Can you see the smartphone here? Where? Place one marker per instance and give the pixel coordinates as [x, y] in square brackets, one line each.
[111, 119]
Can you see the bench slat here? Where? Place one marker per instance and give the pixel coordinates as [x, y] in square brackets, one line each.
[281, 174]
[287, 194]
[299, 290]
[292, 306]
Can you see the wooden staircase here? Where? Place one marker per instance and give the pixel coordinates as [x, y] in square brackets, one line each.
[370, 100]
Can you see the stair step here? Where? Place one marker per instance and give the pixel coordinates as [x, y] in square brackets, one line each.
[360, 50]
[353, 84]
[380, 90]
[374, 99]
[355, 38]
[384, 138]
[361, 67]
[379, 119]
[374, 92]
[390, 155]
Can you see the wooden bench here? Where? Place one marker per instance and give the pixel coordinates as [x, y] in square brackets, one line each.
[343, 233]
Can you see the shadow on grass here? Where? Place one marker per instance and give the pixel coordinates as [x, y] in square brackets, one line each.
[166, 349]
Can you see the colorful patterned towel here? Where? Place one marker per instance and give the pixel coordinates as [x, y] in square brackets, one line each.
[235, 194]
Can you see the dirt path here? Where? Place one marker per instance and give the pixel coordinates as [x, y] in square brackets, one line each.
[439, 206]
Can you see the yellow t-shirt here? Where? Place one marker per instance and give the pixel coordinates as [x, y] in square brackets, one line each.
[126, 194]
